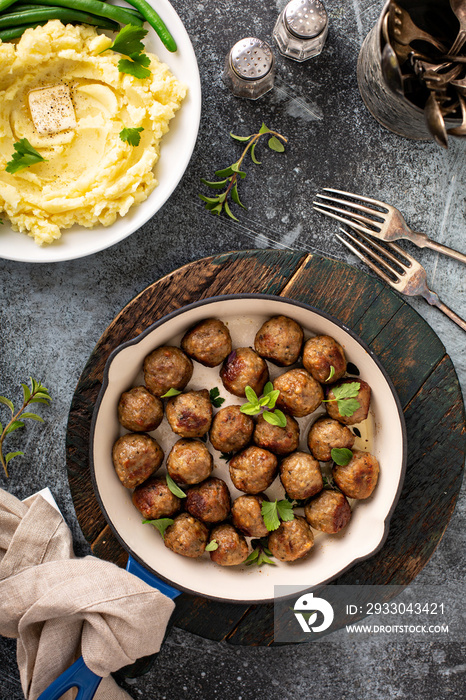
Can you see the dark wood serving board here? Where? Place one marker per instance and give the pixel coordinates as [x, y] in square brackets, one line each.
[411, 352]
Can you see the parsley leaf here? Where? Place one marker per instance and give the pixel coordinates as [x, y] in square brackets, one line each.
[170, 392]
[24, 156]
[133, 68]
[260, 554]
[346, 391]
[341, 456]
[215, 398]
[285, 510]
[212, 546]
[271, 510]
[132, 135]
[129, 41]
[161, 524]
[176, 491]
[348, 406]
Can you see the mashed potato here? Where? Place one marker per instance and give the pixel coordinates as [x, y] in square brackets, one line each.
[90, 175]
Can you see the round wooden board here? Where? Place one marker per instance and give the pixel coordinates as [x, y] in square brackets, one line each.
[411, 352]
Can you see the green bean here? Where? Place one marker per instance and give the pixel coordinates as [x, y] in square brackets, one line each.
[16, 32]
[94, 7]
[5, 3]
[156, 22]
[33, 16]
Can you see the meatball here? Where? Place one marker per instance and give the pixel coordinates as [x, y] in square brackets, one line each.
[364, 398]
[209, 501]
[280, 441]
[232, 547]
[293, 540]
[154, 500]
[320, 354]
[166, 368]
[300, 394]
[325, 434]
[189, 461]
[253, 470]
[186, 536]
[190, 414]
[231, 430]
[244, 368]
[136, 456]
[279, 340]
[247, 517]
[359, 477]
[301, 476]
[139, 410]
[209, 342]
[329, 512]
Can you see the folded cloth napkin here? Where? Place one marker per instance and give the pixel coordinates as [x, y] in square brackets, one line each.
[59, 606]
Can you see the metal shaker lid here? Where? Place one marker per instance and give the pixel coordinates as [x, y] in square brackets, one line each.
[305, 19]
[251, 59]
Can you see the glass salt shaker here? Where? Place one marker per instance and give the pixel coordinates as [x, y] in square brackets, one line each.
[249, 68]
[301, 29]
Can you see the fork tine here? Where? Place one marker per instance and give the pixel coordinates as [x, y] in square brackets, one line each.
[375, 255]
[385, 250]
[365, 260]
[355, 205]
[383, 205]
[358, 227]
[352, 214]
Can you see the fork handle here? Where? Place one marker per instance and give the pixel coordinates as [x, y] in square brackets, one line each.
[433, 299]
[423, 241]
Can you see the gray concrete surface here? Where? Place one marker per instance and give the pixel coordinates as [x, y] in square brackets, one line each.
[52, 315]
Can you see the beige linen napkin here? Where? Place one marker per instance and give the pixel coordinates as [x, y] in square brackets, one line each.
[58, 606]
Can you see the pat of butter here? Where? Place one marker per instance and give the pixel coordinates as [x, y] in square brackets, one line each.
[51, 109]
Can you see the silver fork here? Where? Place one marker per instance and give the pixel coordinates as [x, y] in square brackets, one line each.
[388, 225]
[409, 279]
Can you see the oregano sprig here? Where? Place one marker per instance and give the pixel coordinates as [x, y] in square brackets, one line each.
[268, 400]
[229, 177]
[37, 393]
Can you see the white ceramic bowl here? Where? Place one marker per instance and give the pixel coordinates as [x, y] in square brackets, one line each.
[176, 150]
[383, 434]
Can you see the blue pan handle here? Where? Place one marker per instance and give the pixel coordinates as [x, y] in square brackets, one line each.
[78, 675]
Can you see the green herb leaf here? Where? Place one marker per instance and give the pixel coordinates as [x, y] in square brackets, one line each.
[161, 524]
[285, 510]
[251, 396]
[8, 403]
[128, 41]
[212, 546]
[235, 196]
[226, 172]
[347, 407]
[13, 426]
[229, 212]
[270, 514]
[170, 392]
[346, 391]
[250, 409]
[264, 129]
[276, 145]
[132, 135]
[273, 396]
[331, 374]
[341, 456]
[26, 393]
[268, 388]
[11, 455]
[214, 185]
[24, 156]
[239, 138]
[215, 398]
[277, 418]
[33, 416]
[241, 173]
[253, 154]
[252, 557]
[133, 68]
[176, 491]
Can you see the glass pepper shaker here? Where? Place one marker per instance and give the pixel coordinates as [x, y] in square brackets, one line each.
[301, 29]
[249, 68]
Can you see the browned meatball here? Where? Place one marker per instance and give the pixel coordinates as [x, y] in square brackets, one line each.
[139, 410]
[279, 340]
[293, 540]
[244, 368]
[359, 477]
[166, 368]
[190, 414]
[325, 434]
[136, 456]
[280, 441]
[189, 462]
[231, 430]
[154, 499]
[187, 536]
[301, 476]
[209, 501]
[232, 547]
[247, 517]
[320, 354]
[329, 512]
[300, 394]
[253, 470]
[364, 398]
[209, 342]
